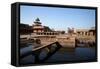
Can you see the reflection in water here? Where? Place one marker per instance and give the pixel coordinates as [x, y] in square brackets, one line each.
[64, 54]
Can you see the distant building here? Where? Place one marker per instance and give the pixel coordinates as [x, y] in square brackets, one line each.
[86, 32]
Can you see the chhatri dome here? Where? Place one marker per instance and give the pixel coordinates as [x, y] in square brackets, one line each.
[37, 21]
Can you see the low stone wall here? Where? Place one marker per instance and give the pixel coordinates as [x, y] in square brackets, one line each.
[65, 41]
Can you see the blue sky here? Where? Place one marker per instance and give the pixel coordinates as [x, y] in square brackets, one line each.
[58, 18]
